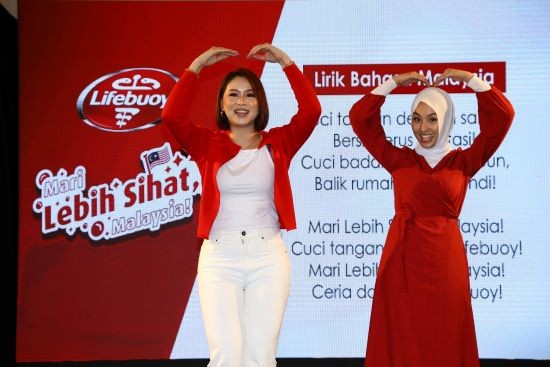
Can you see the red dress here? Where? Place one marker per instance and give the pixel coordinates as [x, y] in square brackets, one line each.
[421, 314]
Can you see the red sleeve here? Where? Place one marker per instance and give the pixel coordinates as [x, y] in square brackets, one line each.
[495, 117]
[192, 137]
[366, 123]
[293, 135]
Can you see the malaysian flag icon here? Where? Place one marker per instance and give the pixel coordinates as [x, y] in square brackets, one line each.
[157, 157]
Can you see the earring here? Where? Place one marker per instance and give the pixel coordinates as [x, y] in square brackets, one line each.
[223, 114]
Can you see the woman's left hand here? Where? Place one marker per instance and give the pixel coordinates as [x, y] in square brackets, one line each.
[268, 52]
[455, 74]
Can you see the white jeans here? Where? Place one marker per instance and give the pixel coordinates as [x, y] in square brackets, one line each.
[244, 281]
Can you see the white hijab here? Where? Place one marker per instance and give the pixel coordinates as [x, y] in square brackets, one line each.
[441, 103]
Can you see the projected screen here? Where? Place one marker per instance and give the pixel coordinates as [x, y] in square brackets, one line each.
[109, 203]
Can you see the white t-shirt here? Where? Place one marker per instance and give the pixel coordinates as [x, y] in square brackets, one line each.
[246, 192]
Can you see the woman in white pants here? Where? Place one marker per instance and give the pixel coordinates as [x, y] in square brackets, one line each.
[244, 269]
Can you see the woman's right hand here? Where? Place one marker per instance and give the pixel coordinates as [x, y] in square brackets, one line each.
[210, 57]
[409, 78]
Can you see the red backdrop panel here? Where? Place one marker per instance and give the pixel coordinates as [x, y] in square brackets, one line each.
[123, 298]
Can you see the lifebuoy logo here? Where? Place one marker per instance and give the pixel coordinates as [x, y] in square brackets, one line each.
[126, 100]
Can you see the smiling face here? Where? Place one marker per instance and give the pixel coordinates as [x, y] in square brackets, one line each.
[239, 103]
[241, 100]
[425, 125]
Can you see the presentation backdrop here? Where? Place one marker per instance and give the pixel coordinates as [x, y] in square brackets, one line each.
[109, 201]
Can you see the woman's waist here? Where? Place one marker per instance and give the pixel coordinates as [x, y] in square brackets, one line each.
[265, 233]
[409, 217]
[239, 220]
[427, 216]
[409, 211]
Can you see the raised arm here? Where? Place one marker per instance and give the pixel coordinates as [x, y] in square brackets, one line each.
[495, 118]
[293, 135]
[175, 114]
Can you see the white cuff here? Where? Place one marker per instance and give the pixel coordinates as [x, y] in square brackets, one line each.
[478, 85]
[385, 88]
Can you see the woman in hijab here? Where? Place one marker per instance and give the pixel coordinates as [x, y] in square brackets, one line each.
[421, 314]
